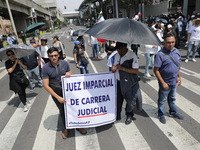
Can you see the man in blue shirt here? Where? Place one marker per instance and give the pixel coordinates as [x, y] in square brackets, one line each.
[51, 77]
[166, 69]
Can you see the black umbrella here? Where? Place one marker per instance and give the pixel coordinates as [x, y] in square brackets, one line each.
[124, 30]
[34, 27]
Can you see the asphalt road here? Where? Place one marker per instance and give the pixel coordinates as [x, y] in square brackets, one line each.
[39, 129]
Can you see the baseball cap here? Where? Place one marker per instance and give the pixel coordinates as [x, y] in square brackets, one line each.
[169, 26]
[120, 44]
[77, 42]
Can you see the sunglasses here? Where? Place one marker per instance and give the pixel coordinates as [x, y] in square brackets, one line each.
[10, 54]
[53, 56]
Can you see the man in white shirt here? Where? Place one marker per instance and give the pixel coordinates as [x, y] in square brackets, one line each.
[71, 31]
[126, 70]
[193, 39]
[93, 42]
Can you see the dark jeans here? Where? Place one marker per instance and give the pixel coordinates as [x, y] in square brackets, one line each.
[120, 99]
[22, 93]
[61, 110]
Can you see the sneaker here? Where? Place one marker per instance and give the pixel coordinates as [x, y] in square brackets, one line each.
[25, 108]
[194, 60]
[178, 116]
[147, 75]
[162, 119]
[186, 60]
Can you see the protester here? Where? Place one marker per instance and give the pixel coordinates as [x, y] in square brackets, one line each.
[71, 31]
[126, 70]
[110, 48]
[23, 37]
[59, 45]
[81, 39]
[93, 42]
[150, 51]
[193, 39]
[169, 29]
[51, 77]
[33, 62]
[43, 49]
[80, 58]
[166, 69]
[180, 30]
[18, 80]
[11, 39]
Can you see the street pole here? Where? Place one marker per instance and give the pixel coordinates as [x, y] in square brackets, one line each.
[52, 28]
[11, 18]
[185, 7]
[116, 8]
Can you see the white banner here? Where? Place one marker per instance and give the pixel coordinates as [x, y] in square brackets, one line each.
[91, 100]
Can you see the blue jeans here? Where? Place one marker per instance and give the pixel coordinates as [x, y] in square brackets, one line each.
[31, 74]
[192, 47]
[170, 96]
[149, 59]
[95, 50]
[72, 38]
[82, 69]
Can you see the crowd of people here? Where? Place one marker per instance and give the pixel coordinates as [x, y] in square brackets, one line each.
[48, 65]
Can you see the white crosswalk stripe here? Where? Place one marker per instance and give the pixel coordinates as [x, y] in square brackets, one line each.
[183, 103]
[179, 137]
[47, 128]
[13, 127]
[87, 142]
[126, 134]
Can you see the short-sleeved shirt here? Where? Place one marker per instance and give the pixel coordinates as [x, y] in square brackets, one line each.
[168, 70]
[195, 33]
[79, 53]
[31, 60]
[9, 64]
[129, 55]
[52, 73]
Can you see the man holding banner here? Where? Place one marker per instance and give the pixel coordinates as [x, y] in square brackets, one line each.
[126, 69]
[51, 77]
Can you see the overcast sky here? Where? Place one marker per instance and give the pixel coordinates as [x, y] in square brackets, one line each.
[71, 5]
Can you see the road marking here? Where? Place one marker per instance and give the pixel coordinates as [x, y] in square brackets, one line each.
[172, 130]
[63, 33]
[87, 142]
[13, 127]
[46, 134]
[3, 73]
[190, 86]
[190, 73]
[69, 58]
[126, 133]
[2, 68]
[91, 63]
[3, 104]
[188, 107]
[103, 55]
